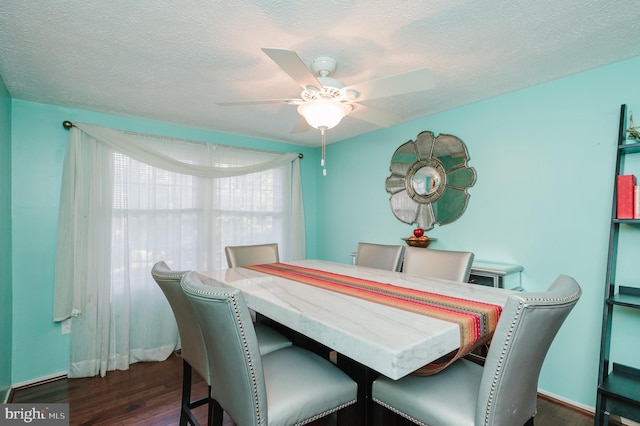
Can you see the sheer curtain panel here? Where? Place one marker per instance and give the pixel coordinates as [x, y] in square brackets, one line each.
[130, 200]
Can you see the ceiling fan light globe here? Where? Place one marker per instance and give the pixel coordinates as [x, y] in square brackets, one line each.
[324, 113]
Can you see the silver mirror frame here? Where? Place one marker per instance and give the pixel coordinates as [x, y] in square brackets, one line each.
[443, 161]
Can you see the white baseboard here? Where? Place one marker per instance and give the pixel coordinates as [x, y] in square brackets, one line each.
[39, 380]
[568, 401]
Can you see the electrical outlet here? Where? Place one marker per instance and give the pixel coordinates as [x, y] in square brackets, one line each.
[65, 326]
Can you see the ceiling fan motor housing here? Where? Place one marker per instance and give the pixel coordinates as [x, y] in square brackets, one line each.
[324, 65]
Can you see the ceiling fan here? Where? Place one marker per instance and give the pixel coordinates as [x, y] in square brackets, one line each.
[324, 101]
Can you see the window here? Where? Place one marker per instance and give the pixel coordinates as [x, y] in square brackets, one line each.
[129, 201]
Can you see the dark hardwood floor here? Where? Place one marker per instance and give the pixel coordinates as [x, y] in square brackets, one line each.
[149, 394]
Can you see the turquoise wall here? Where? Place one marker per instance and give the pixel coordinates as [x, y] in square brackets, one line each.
[39, 142]
[5, 242]
[531, 205]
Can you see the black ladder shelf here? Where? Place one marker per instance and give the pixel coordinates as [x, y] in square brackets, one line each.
[618, 384]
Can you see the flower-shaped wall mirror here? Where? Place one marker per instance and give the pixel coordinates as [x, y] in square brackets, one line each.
[429, 180]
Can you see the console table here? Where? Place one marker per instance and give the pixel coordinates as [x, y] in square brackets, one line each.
[494, 274]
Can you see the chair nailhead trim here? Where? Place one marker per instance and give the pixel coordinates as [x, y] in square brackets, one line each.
[395, 410]
[247, 353]
[325, 413]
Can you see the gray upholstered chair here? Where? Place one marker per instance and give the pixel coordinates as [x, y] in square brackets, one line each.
[286, 387]
[444, 264]
[193, 352]
[381, 256]
[504, 391]
[256, 254]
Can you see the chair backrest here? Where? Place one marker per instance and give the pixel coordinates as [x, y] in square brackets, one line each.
[528, 324]
[381, 256]
[238, 378]
[444, 264]
[193, 348]
[257, 254]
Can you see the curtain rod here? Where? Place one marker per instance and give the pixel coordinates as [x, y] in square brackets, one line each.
[68, 125]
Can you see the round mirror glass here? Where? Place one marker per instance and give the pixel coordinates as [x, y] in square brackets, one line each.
[426, 181]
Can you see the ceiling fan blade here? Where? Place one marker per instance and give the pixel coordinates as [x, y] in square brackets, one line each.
[291, 63]
[374, 116]
[398, 84]
[261, 101]
[301, 126]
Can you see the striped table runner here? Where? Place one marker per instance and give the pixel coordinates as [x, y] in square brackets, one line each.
[477, 320]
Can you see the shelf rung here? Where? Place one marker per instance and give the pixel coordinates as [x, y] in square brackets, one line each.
[624, 383]
[626, 296]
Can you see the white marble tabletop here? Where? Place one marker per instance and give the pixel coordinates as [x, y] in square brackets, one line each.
[391, 341]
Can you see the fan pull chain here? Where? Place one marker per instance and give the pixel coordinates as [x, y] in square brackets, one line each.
[324, 150]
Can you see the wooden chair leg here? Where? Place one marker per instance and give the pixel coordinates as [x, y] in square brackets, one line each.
[216, 413]
[186, 416]
[186, 393]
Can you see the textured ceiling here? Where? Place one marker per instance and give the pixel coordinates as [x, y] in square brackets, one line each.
[170, 60]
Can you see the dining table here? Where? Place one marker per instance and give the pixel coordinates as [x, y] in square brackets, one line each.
[369, 338]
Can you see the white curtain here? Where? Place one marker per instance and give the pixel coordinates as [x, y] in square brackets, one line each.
[130, 200]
